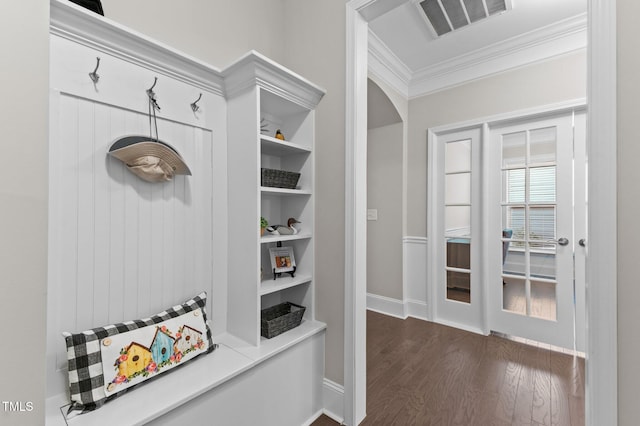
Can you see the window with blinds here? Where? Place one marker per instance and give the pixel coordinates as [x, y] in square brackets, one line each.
[534, 203]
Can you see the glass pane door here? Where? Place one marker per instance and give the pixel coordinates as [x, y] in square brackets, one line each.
[530, 218]
[457, 219]
[529, 222]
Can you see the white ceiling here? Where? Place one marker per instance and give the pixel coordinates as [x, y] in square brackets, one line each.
[532, 30]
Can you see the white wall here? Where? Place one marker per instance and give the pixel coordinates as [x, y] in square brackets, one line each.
[552, 81]
[384, 193]
[628, 205]
[315, 48]
[24, 86]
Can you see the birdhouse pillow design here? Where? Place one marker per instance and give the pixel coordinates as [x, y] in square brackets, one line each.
[103, 362]
[133, 357]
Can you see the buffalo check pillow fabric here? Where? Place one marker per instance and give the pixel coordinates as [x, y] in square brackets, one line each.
[104, 362]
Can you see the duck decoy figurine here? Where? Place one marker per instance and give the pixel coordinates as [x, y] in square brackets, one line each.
[289, 229]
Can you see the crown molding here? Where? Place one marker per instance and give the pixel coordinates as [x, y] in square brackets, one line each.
[371, 9]
[97, 32]
[554, 40]
[256, 69]
[386, 66]
[551, 41]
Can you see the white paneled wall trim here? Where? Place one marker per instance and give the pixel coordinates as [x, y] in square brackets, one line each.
[414, 273]
[333, 400]
[121, 248]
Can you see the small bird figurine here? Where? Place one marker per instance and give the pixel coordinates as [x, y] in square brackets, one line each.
[279, 135]
[290, 229]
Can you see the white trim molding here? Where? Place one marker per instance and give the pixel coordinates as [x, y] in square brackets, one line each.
[414, 276]
[355, 278]
[415, 252]
[75, 23]
[535, 46]
[386, 305]
[333, 400]
[397, 308]
[601, 393]
[564, 37]
[385, 65]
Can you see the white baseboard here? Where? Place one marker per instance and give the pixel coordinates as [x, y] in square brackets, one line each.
[386, 305]
[397, 308]
[313, 418]
[417, 309]
[333, 400]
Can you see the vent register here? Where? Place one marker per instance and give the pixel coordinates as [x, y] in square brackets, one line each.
[449, 15]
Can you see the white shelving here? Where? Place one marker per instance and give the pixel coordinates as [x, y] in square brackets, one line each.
[212, 214]
[262, 94]
[281, 238]
[273, 146]
[269, 285]
[284, 191]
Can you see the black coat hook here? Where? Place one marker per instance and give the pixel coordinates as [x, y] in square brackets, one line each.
[152, 94]
[94, 75]
[194, 105]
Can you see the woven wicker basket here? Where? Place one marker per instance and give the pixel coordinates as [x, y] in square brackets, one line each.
[279, 178]
[280, 318]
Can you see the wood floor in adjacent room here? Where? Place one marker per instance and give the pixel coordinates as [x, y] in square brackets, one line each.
[421, 373]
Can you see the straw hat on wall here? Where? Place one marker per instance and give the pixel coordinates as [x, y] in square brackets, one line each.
[148, 158]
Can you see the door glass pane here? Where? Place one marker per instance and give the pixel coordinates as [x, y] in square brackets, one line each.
[542, 226]
[458, 188]
[514, 262]
[513, 182]
[459, 286]
[514, 295]
[542, 145]
[543, 262]
[514, 150]
[457, 221]
[513, 219]
[459, 253]
[543, 300]
[542, 186]
[458, 156]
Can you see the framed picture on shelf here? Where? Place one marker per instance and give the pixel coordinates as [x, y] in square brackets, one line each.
[282, 260]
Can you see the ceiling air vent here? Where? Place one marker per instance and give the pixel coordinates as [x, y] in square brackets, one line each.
[447, 15]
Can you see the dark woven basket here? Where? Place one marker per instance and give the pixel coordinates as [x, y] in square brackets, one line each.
[280, 318]
[279, 178]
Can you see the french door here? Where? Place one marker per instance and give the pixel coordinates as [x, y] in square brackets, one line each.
[455, 229]
[531, 210]
[506, 213]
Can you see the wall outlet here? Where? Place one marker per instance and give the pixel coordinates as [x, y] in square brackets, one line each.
[372, 214]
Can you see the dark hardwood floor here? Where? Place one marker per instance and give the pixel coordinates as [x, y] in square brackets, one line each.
[420, 373]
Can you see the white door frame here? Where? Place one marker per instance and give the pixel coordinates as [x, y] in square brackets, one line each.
[601, 397]
[465, 316]
[485, 124]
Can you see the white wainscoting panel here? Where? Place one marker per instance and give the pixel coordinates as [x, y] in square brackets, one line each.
[415, 255]
[414, 273]
[121, 248]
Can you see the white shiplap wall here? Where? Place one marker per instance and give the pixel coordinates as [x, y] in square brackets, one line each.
[121, 248]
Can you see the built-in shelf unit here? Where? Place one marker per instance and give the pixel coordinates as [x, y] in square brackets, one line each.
[121, 248]
[263, 97]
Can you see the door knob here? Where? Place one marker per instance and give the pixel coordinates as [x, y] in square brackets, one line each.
[560, 241]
